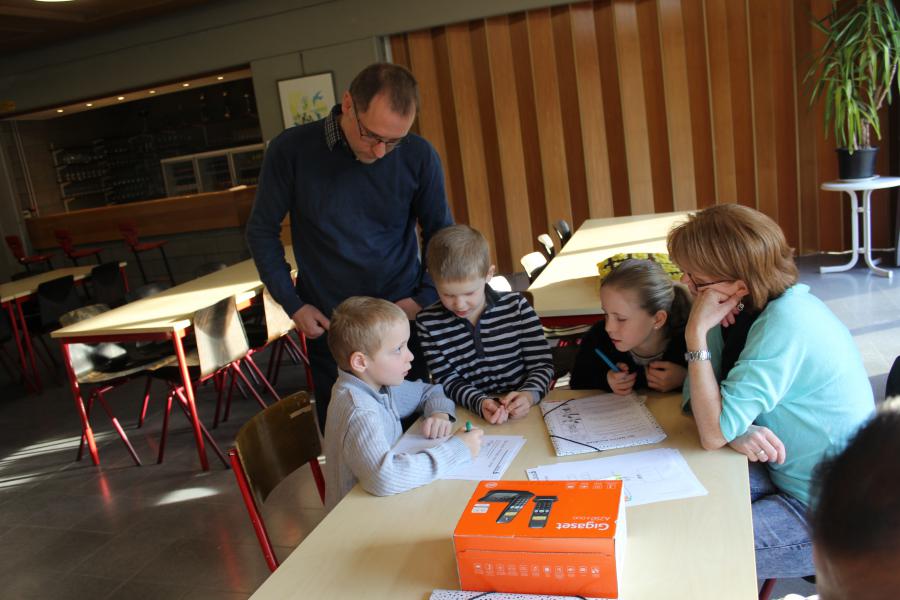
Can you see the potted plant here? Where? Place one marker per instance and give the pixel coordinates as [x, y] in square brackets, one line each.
[855, 71]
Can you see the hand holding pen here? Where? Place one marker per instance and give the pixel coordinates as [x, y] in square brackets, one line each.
[619, 379]
[471, 437]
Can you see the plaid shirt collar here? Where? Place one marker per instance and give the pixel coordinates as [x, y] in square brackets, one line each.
[334, 135]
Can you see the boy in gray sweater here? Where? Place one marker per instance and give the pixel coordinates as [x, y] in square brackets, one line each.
[368, 338]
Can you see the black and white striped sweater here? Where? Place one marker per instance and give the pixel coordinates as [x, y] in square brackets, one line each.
[506, 351]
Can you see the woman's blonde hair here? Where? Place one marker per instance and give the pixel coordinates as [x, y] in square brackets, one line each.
[654, 289]
[730, 241]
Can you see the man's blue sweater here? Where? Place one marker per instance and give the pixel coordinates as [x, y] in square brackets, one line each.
[353, 225]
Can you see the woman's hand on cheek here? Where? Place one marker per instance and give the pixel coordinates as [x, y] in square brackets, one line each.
[711, 308]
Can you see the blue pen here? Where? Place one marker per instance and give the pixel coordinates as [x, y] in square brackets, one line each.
[608, 362]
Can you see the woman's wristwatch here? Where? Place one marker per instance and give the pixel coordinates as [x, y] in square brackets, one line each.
[697, 355]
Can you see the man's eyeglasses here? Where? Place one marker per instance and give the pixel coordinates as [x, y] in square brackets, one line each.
[373, 139]
[700, 286]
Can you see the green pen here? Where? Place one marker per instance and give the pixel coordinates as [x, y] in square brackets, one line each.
[468, 426]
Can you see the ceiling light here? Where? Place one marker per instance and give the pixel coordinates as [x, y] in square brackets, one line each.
[220, 78]
[120, 98]
[89, 104]
[185, 85]
[59, 110]
[152, 91]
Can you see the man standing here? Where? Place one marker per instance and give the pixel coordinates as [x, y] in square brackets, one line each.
[356, 184]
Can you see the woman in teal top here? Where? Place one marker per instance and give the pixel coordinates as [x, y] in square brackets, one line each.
[771, 371]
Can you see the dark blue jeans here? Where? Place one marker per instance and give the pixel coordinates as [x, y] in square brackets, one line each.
[780, 530]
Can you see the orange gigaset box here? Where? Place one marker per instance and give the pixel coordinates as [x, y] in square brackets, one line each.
[543, 537]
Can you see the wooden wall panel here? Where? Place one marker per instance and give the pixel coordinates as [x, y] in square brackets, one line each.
[549, 122]
[618, 107]
[677, 104]
[590, 111]
[634, 107]
[571, 123]
[766, 172]
[468, 120]
[720, 99]
[698, 86]
[612, 107]
[655, 103]
[509, 136]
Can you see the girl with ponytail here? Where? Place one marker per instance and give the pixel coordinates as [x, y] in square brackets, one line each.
[643, 333]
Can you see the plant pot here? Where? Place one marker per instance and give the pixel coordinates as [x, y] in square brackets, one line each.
[859, 165]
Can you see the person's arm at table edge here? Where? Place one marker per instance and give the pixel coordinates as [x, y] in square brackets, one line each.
[270, 207]
[433, 214]
[706, 399]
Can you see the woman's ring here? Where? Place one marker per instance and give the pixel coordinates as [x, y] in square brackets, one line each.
[761, 453]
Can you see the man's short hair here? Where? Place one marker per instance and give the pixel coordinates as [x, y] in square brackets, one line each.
[359, 324]
[397, 82]
[458, 253]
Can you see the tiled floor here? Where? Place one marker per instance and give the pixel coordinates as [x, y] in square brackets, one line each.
[71, 530]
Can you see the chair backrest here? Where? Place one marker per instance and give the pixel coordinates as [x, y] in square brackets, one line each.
[278, 322]
[15, 246]
[87, 357]
[546, 243]
[108, 286]
[563, 231]
[278, 441]
[128, 230]
[220, 336]
[533, 263]
[55, 298]
[499, 283]
[65, 240]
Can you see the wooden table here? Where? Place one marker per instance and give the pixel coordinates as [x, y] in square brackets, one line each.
[15, 293]
[400, 547]
[866, 186]
[164, 316]
[567, 292]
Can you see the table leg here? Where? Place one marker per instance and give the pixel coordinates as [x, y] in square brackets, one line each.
[854, 234]
[189, 392]
[23, 360]
[867, 236]
[28, 344]
[79, 406]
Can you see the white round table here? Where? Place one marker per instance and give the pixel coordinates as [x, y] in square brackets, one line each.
[866, 186]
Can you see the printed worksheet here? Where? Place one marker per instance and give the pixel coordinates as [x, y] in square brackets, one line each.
[601, 422]
[497, 452]
[648, 476]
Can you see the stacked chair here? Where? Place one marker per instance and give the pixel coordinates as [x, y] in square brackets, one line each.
[68, 247]
[27, 260]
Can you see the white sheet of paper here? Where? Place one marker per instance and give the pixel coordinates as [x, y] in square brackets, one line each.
[649, 476]
[497, 452]
[601, 422]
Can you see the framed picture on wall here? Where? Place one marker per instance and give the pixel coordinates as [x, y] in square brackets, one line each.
[306, 99]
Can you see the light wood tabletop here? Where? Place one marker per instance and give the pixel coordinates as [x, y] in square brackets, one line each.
[173, 308]
[570, 285]
[28, 285]
[400, 547]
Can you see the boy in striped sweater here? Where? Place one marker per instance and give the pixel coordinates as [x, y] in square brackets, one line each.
[486, 348]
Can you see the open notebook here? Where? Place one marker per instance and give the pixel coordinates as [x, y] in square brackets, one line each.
[601, 422]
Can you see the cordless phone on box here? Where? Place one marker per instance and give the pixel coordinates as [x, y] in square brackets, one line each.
[515, 502]
[541, 511]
